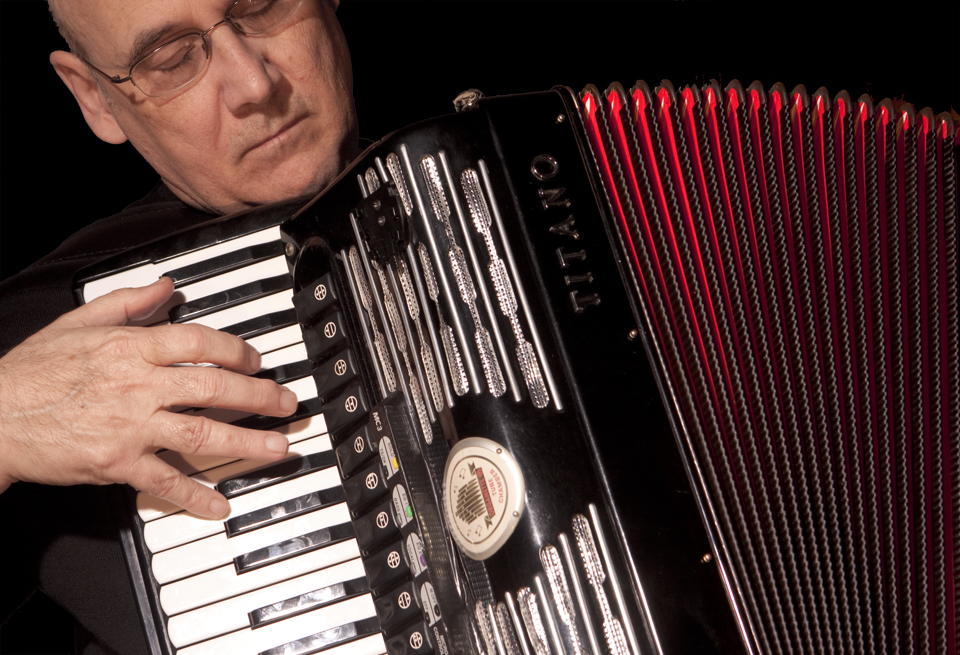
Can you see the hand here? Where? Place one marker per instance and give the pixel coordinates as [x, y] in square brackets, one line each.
[85, 401]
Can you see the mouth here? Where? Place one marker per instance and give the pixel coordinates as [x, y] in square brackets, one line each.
[277, 138]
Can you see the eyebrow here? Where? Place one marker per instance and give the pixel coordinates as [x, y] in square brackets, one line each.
[146, 40]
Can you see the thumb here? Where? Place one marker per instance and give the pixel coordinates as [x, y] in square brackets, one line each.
[120, 306]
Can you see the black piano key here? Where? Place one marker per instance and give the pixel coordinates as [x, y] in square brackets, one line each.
[309, 601]
[291, 547]
[325, 337]
[282, 511]
[327, 639]
[314, 299]
[280, 472]
[305, 408]
[346, 409]
[225, 263]
[287, 372]
[335, 372]
[229, 298]
[258, 325]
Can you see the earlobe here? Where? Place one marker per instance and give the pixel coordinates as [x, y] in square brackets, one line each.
[96, 110]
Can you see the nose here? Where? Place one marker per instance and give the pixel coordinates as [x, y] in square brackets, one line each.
[242, 72]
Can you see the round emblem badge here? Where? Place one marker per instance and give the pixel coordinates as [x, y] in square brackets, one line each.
[483, 496]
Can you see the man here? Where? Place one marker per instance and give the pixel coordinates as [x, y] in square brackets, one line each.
[264, 112]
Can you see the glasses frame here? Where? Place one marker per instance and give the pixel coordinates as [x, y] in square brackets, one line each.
[207, 48]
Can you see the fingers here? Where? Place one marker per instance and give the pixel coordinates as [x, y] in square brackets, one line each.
[198, 435]
[120, 306]
[214, 387]
[161, 480]
[176, 344]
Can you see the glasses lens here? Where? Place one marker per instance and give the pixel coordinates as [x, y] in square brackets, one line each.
[259, 16]
[174, 65]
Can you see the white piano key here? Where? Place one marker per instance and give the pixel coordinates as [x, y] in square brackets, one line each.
[150, 273]
[305, 388]
[150, 507]
[224, 582]
[181, 528]
[295, 432]
[231, 614]
[295, 353]
[276, 302]
[266, 343]
[252, 642]
[212, 552]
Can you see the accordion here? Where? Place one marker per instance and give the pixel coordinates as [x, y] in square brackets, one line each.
[625, 373]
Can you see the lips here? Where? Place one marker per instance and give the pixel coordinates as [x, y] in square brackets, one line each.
[277, 137]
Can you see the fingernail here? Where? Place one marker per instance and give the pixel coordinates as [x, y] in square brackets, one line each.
[253, 359]
[219, 508]
[277, 443]
[288, 400]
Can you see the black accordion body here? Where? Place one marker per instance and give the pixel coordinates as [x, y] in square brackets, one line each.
[623, 373]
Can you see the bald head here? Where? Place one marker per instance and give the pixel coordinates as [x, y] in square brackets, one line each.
[269, 116]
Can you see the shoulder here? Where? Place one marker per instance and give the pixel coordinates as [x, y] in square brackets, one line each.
[44, 290]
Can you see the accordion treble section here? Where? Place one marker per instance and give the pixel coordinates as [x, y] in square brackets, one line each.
[621, 373]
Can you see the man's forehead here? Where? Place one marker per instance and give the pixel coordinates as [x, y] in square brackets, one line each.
[115, 32]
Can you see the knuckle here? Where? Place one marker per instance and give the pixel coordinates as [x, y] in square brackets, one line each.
[189, 341]
[195, 434]
[165, 482]
[209, 385]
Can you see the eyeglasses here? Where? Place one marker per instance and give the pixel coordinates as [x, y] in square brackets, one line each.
[176, 64]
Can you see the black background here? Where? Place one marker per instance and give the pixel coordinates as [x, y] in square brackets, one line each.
[411, 59]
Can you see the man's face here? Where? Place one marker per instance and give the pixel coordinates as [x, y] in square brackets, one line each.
[272, 116]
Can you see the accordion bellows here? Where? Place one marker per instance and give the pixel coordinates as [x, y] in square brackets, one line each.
[796, 257]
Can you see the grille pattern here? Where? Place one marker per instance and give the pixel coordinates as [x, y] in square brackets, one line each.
[796, 257]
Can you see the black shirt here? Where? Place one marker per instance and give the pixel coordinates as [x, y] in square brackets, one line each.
[64, 540]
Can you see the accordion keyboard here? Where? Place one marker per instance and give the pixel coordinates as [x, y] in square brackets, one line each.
[285, 560]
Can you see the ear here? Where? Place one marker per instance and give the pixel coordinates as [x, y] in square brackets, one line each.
[95, 107]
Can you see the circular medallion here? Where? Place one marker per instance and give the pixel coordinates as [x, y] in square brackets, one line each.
[483, 496]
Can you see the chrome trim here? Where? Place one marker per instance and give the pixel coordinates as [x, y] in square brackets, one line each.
[364, 320]
[448, 295]
[426, 357]
[547, 616]
[592, 564]
[519, 630]
[521, 292]
[532, 621]
[618, 591]
[503, 286]
[567, 553]
[562, 599]
[379, 342]
[505, 630]
[494, 330]
[393, 165]
[372, 179]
